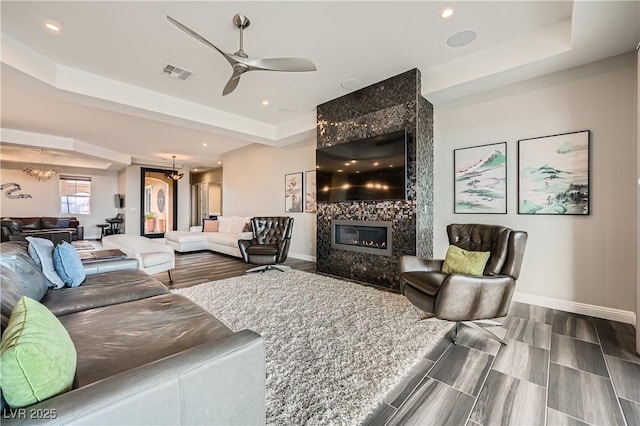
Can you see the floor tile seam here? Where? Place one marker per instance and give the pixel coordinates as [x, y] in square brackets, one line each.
[575, 338]
[484, 382]
[637, 362]
[583, 371]
[613, 384]
[629, 400]
[573, 417]
[524, 379]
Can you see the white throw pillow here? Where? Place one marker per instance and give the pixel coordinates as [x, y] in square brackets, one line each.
[237, 224]
[43, 248]
[224, 225]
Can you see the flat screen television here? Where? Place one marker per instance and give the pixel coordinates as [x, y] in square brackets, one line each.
[363, 170]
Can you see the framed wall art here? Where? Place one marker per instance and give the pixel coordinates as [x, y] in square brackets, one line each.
[480, 179]
[553, 174]
[310, 202]
[293, 192]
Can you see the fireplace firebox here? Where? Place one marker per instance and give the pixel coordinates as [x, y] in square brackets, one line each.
[363, 236]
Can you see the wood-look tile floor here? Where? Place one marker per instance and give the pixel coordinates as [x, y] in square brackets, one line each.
[558, 368]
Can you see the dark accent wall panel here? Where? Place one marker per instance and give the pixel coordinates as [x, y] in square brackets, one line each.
[387, 106]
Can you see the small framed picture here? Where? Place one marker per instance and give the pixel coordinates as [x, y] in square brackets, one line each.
[553, 174]
[310, 202]
[293, 193]
[480, 179]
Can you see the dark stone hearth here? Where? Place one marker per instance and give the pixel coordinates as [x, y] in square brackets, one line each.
[390, 105]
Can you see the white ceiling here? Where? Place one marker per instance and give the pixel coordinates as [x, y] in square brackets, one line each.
[99, 82]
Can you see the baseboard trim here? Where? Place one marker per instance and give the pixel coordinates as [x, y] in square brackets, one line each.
[613, 314]
[302, 257]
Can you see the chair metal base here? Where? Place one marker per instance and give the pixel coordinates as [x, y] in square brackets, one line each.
[170, 272]
[476, 325]
[263, 268]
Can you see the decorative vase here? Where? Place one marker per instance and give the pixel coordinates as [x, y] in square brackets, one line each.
[149, 225]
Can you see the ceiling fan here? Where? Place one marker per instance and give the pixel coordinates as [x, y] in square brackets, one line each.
[241, 63]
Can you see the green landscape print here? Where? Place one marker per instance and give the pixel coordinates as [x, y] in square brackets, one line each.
[481, 179]
[554, 174]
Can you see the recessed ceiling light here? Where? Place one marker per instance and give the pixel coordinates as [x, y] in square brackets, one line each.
[461, 39]
[219, 162]
[265, 102]
[52, 27]
[446, 13]
[204, 144]
[195, 170]
[352, 83]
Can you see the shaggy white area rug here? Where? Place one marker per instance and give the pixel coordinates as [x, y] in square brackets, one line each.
[334, 348]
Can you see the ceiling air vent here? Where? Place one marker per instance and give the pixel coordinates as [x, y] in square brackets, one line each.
[175, 72]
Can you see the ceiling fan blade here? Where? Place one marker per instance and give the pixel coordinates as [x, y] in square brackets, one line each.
[279, 64]
[234, 80]
[230, 58]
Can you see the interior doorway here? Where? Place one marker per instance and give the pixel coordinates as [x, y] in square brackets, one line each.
[158, 204]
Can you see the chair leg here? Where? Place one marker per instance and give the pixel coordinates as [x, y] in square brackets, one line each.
[263, 268]
[170, 272]
[475, 324]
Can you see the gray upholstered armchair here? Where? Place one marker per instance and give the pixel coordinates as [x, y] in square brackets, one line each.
[467, 298]
[270, 244]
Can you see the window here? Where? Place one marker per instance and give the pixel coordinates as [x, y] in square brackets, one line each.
[75, 195]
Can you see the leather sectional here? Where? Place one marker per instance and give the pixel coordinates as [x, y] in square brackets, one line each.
[52, 228]
[144, 355]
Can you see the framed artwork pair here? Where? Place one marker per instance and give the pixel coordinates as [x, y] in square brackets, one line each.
[553, 176]
[300, 192]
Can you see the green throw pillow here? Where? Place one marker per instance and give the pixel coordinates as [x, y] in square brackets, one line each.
[460, 261]
[37, 356]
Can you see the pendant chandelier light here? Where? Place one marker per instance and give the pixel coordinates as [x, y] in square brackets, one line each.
[173, 174]
[41, 174]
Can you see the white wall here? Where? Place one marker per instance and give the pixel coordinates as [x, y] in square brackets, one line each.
[584, 259]
[45, 195]
[253, 185]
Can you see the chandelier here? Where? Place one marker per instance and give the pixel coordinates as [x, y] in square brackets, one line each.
[173, 174]
[41, 174]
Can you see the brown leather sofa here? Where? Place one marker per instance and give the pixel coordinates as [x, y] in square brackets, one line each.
[467, 298]
[144, 355]
[16, 228]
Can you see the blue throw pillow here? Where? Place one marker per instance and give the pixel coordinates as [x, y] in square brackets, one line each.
[68, 264]
[63, 222]
[43, 250]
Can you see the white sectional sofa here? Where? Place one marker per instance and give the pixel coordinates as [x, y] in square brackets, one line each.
[230, 230]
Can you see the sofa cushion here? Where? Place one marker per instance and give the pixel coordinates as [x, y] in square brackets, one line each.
[28, 275]
[11, 293]
[224, 224]
[117, 338]
[29, 222]
[156, 258]
[44, 250]
[238, 223]
[48, 222]
[68, 264]
[103, 290]
[63, 222]
[210, 225]
[38, 359]
[230, 240]
[185, 236]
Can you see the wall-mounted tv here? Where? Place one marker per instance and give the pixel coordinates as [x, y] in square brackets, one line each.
[362, 170]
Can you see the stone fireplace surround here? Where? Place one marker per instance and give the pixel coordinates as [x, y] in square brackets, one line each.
[390, 105]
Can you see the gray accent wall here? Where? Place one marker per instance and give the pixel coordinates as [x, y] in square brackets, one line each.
[390, 105]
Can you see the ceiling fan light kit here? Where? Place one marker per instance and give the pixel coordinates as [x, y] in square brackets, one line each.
[240, 61]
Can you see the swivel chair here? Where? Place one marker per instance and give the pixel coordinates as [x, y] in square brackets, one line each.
[466, 298]
[270, 244]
